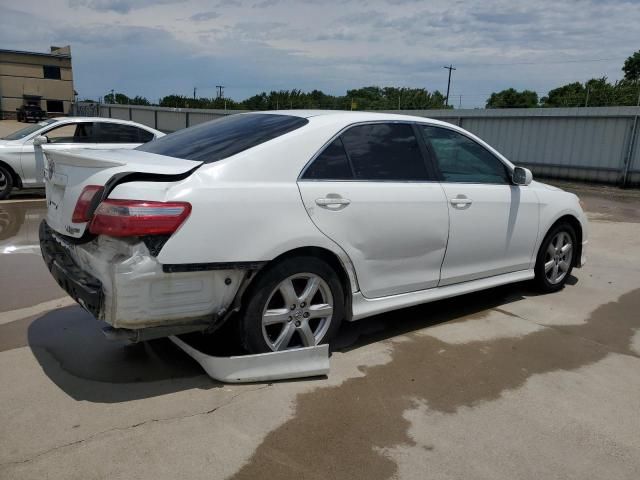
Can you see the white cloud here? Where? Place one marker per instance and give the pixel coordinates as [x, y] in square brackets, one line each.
[155, 48]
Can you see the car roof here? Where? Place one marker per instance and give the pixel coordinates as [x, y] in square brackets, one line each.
[352, 116]
[102, 119]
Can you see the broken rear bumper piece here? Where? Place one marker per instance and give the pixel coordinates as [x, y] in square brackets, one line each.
[298, 363]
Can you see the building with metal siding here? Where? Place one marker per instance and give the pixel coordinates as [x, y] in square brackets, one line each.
[31, 77]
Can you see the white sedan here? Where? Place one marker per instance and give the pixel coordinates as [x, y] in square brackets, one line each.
[290, 222]
[22, 162]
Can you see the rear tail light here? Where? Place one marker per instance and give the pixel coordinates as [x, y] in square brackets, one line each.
[129, 218]
[86, 203]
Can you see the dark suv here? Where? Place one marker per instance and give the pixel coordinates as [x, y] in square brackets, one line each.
[27, 113]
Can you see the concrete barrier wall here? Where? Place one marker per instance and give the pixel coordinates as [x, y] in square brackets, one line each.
[590, 144]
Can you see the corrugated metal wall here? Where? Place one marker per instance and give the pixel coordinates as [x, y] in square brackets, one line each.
[589, 144]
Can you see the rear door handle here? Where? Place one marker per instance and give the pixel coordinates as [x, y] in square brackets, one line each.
[329, 201]
[460, 200]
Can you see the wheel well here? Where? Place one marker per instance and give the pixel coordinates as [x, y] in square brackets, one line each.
[327, 256]
[577, 227]
[17, 181]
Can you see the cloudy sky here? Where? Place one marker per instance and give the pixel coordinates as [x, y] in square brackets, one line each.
[154, 48]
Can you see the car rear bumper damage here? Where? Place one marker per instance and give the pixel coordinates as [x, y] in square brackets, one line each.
[120, 282]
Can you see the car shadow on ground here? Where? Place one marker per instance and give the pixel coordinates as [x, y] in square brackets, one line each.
[355, 335]
[77, 357]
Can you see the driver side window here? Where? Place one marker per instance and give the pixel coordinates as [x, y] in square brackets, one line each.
[462, 160]
[72, 133]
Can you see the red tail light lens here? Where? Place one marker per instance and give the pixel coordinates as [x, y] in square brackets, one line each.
[132, 218]
[82, 212]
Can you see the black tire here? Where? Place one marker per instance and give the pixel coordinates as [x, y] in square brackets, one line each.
[264, 290]
[6, 182]
[542, 282]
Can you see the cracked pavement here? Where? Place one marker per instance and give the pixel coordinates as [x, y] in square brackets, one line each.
[499, 384]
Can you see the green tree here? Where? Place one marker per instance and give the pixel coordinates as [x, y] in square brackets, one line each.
[631, 67]
[511, 98]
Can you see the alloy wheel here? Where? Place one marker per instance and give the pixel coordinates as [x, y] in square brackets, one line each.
[558, 257]
[298, 312]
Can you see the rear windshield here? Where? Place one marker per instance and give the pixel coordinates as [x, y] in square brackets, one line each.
[222, 138]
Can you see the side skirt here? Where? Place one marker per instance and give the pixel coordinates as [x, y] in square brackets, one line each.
[366, 307]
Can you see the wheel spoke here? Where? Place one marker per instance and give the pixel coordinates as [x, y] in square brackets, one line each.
[276, 315]
[310, 290]
[308, 339]
[549, 265]
[321, 310]
[566, 249]
[288, 292]
[282, 342]
[564, 266]
[551, 250]
[554, 273]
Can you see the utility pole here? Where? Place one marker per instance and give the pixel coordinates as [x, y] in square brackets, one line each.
[586, 100]
[113, 98]
[220, 91]
[194, 92]
[450, 67]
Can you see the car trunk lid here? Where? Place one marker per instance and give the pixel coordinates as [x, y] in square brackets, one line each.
[68, 172]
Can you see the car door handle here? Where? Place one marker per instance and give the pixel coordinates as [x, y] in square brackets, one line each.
[328, 201]
[460, 200]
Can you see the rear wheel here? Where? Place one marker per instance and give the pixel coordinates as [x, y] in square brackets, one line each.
[297, 303]
[6, 182]
[555, 258]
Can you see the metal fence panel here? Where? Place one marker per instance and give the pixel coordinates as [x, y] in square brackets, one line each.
[590, 144]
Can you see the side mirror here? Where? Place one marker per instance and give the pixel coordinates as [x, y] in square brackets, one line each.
[522, 176]
[40, 140]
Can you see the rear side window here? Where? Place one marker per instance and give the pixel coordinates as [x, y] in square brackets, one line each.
[222, 138]
[386, 151]
[119, 133]
[331, 164]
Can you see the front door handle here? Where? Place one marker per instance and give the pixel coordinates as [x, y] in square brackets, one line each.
[461, 201]
[330, 201]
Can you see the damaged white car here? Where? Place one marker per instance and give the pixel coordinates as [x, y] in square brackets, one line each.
[291, 222]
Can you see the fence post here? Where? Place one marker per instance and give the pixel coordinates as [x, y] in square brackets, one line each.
[130, 114]
[155, 119]
[186, 120]
[109, 112]
[630, 151]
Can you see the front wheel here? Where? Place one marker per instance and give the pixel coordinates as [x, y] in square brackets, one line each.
[555, 258]
[296, 303]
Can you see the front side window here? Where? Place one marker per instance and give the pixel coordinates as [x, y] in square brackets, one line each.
[222, 138]
[72, 133]
[384, 151]
[331, 164]
[460, 159]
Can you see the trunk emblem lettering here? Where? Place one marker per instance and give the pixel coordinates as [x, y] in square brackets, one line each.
[71, 229]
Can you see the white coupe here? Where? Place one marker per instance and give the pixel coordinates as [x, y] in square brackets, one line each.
[21, 159]
[290, 222]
